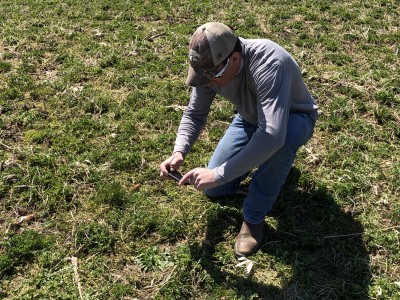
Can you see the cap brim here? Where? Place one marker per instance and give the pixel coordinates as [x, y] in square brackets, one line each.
[196, 78]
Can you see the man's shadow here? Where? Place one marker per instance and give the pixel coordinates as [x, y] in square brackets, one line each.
[320, 241]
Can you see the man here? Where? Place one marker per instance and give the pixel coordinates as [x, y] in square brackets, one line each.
[276, 115]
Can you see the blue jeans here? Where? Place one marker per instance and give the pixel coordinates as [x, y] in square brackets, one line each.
[269, 177]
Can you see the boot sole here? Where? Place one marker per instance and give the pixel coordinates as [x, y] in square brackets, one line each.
[239, 254]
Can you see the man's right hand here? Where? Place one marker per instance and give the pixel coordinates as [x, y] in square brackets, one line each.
[172, 163]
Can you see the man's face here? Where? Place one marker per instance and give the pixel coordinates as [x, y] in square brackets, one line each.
[217, 71]
[228, 71]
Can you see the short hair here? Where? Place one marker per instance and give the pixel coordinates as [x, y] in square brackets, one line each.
[238, 46]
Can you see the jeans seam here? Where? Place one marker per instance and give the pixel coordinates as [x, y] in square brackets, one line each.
[293, 148]
[288, 165]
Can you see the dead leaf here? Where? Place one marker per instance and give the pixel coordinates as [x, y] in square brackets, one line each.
[136, 187]
[25, 219]
[244, 262]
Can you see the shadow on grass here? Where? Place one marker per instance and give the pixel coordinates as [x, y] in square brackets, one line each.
[320, 242]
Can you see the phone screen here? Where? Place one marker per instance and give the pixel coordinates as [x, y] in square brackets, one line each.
[176, 176]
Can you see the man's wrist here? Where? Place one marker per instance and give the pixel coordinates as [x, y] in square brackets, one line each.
[180, 153]
[217, 176]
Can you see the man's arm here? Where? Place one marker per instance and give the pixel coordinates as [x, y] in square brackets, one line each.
[272, 84]
[194, 118]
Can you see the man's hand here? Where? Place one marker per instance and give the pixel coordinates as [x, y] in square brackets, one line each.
[200, 178]
[172, 163]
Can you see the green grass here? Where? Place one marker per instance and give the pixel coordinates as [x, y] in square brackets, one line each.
[90, 97]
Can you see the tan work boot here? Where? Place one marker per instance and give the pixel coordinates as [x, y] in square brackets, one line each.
[249, 239]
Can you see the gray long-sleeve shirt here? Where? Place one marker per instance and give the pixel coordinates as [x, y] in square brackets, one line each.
[268, 87]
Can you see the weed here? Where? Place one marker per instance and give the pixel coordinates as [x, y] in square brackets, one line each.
[112, 194]
[36, 136]
[172, 229]
[94, 238]
[6, 263]
[5, 67]
[21, 249]
[119, 290]
[152, 259]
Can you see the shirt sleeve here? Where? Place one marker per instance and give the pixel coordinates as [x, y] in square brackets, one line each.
[272, 85]
[194, 118]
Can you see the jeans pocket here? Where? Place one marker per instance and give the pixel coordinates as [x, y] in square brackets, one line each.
[304, 128]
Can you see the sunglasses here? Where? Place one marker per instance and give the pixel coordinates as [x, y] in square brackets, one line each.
[210, 74]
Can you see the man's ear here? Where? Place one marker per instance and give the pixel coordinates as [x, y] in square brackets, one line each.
[235, 57]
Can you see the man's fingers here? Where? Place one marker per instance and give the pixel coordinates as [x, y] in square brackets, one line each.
[187, 177]
[175, 163]
[163, 170]
[165, 167]
[172, 164]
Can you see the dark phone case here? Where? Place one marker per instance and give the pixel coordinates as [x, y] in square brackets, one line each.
[176, 176]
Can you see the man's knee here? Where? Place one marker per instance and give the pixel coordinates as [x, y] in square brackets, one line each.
[213, 193]
[222, 190]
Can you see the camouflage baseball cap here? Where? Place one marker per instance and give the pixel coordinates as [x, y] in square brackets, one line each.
[209, 45]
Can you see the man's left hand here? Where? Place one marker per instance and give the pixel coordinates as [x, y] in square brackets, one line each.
[200, 178]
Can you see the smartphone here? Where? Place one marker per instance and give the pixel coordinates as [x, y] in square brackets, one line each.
[176, 176]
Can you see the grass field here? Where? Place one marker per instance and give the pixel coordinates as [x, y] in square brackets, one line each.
[91, 94]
